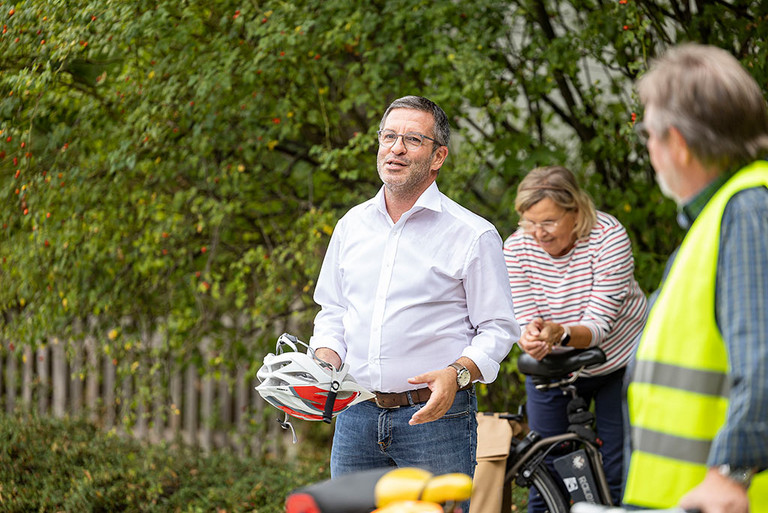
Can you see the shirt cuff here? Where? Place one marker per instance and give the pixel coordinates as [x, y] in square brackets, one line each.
[487, 367]
[317, 342]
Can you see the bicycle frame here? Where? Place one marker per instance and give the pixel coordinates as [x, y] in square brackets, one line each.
[527, 464]
[535, 454]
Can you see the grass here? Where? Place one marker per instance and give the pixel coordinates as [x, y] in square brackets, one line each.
[49, 465]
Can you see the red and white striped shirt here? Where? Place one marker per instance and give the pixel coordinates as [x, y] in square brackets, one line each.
[593, 285]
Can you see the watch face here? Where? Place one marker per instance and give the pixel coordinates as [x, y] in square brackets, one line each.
[463, 378]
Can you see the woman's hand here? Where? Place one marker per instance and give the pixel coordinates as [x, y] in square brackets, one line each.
[540, 337]
[531, 339]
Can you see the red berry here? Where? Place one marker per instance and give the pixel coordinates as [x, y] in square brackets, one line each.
[203, 249]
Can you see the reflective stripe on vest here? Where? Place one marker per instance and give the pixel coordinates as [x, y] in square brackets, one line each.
[678, 398]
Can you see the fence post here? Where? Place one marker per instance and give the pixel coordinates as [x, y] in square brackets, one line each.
[108, 392]
[58, 378]
[77, 375]
[92, 373]
[26, 378]
[159, 412]
[206, 396]
[174, 422]
[43, 379]
[190, 406]
[10, 379]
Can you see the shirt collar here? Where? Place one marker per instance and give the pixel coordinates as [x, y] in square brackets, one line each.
[429, 199]
[688, 213]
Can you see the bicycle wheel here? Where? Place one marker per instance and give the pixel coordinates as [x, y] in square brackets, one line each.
[549, 490]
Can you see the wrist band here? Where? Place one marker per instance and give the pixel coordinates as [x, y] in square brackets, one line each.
[566, 336]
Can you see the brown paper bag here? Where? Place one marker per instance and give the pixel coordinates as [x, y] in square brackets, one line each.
[494, 436]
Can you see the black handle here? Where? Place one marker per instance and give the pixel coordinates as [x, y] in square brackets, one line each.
[329, 402]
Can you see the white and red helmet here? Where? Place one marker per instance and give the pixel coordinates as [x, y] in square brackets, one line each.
[305, 387]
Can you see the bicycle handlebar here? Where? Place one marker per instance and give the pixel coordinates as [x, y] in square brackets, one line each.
[584, 507]
[365, 490]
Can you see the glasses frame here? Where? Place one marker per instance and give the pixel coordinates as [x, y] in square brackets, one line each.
[533, 227]
[405, 143]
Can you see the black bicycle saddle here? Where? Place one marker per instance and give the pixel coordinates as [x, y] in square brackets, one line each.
[560, 365]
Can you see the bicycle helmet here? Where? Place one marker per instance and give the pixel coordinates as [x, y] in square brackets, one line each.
[305, 387]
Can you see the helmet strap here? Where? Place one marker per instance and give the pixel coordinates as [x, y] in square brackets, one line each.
[330, 400]
[285, 424]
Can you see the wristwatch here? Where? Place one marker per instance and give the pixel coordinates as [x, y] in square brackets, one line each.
[566, 336]
[463, 377]
[739, 475]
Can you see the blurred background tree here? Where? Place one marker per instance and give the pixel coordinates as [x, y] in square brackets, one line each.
[178, 166]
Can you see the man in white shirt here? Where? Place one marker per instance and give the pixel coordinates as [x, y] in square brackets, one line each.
[415, 297]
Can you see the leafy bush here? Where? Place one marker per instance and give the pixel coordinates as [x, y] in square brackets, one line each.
[71, 465]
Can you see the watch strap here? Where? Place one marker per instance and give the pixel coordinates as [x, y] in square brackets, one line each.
[739, 475]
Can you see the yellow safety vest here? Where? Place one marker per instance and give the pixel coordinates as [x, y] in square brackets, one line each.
[678, 398]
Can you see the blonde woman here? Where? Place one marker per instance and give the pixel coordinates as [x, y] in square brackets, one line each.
[572, 277]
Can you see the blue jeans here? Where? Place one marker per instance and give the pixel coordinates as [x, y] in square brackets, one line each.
[548, 416]
[367, 436]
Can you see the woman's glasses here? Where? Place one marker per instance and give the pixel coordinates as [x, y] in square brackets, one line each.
[547, 226]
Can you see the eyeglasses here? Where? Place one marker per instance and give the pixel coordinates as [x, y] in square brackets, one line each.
[642, 132]
[411, 140]
[547, 226]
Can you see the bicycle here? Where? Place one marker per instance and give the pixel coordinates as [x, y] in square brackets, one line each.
[400, 490]
[579, 475]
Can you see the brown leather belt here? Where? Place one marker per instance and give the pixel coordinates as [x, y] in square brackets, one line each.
[408, 398]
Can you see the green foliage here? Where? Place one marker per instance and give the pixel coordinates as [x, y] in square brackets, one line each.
[168, 164]
[62, 465]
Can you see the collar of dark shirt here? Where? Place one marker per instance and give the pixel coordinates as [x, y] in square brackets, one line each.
[688, 213]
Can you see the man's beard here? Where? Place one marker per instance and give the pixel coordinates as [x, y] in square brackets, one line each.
[413, 183]
[666, 190]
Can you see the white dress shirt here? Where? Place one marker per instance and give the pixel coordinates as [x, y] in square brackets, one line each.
[400, 299]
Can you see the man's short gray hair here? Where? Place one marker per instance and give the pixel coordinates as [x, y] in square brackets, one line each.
[442, 127]
[711, 99]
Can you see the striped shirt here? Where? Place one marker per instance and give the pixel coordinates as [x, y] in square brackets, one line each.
[593, 285]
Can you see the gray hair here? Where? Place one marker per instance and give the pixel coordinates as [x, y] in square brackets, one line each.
[442, 128]
[715, 104]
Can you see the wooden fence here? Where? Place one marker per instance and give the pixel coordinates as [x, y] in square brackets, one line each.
[138, 393]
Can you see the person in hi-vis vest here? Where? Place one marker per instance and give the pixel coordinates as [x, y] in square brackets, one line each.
[698, 395]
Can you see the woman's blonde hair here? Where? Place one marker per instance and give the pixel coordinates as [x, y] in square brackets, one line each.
[558, 184]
